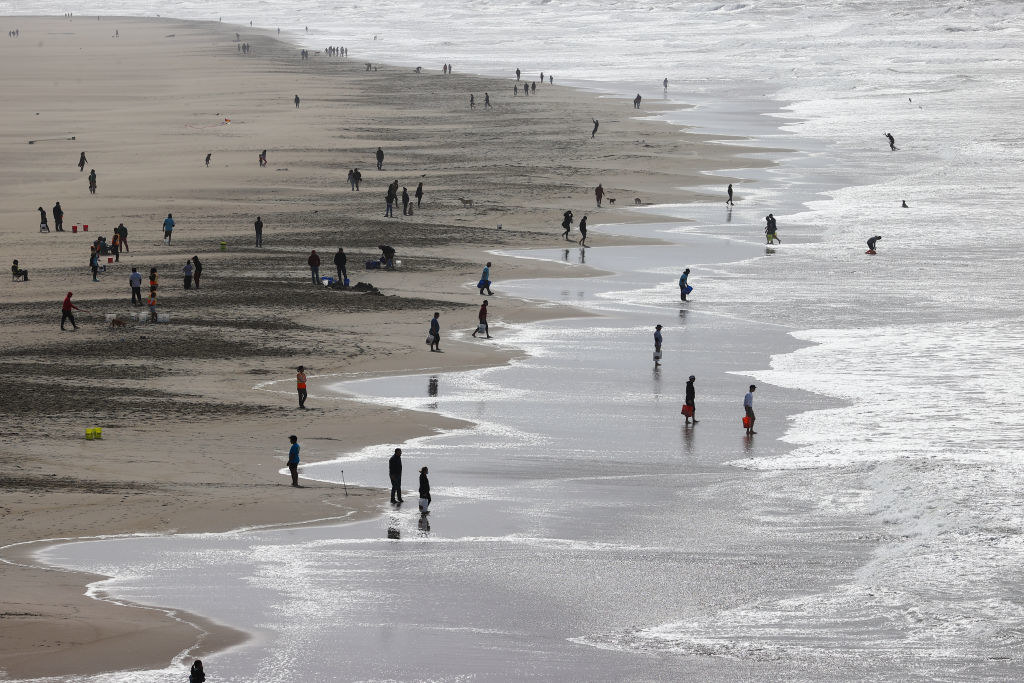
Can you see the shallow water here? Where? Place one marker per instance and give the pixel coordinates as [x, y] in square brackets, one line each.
[579, 529]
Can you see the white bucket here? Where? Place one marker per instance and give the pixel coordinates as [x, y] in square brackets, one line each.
[398, 263]
[163, 317]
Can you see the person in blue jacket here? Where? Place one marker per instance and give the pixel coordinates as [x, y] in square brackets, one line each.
[683, 285]
[293, 459]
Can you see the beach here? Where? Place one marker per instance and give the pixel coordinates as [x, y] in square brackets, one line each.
[196, 411]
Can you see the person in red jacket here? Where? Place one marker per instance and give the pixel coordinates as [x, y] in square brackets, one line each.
[482, 317]
[314, 266]
[66, 314]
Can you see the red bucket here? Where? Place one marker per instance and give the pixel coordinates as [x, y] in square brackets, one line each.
[110, 259]
[74, 228]
[746, 422]
[85, 228]
[687, 411]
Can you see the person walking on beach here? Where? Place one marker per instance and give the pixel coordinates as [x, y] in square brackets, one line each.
[82, 161]
[357, 178]
[259, 231]
[135, 282]
[487, 101]
[748, 409]
[566, 224]
[65, 312]
[405, 201]
[424, 492]
[122, 232]
[435, 333]
[314, 266]
[770, 227]
[599, 194]
[636, 101]
[151, 302]
[657, 345]
[482, 318]
[94, 263]
[871, 243]
[729, 200]
[92, 181]
[380, 159]
[43, 225]
[664, 83]
[691, 395]
[58, 218]
[583, 231]
[154, 280]
[208, 157]
[187, 272]
[472, 101]
[300, 385]
[892, 141]
[684, 285]
[594, 132]
[293, 459]
[168, 229]
[485, 280]
[197, 271]
[263, 158]
[395, 474]
[419, 194]
[340, 260]
[196, 673]
[297, 101]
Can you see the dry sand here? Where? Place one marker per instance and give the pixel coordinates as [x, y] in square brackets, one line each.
[194, 436]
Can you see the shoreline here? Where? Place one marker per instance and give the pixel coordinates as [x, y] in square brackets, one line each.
[424, 282]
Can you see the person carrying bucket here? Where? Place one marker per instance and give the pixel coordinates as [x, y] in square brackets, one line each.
[748, 409]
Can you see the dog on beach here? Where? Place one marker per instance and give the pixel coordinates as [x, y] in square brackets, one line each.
[637, 201]
[611, 201]
[466, 202]
[117, 322]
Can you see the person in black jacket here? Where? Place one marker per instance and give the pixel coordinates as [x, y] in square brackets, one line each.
[691, 394]
[197, 675]
[395, 472]
[424, 491]
[340, 260]
[58, 217]
[380, 158]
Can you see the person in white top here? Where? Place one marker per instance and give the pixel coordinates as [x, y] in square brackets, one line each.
[748, 408]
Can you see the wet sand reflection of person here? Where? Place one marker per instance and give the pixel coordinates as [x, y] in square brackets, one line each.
[432, 387]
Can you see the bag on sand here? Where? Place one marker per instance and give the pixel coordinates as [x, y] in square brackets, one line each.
[430, 339]
[746, 422]
[687, 411]
[657, 355]
[481, 328]
[483, 283]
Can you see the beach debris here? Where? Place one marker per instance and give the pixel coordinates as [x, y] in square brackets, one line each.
[32, 142]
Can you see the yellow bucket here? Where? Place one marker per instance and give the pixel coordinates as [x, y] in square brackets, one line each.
[223, 246]
[90, 433]
[97, 432]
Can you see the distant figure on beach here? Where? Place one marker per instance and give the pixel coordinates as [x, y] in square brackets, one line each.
[434, 336]
[684, 286]
[196, 674]
[395, 474]
[387, 256]
[197, 271]
[263, 158]
[487, 101]
[636, 101]
[904, 205]
[168, 228]
[293, 459]
[380, 158]
[551, 80]
[657, 345]
[58, 217]
[208, 157]
[122, 232]
[405, 201]
[472, 101]
[314, 266]
[515, 91]
[599, 193]
[82, 161]
[594, 131]
[770, 229]
[481, 317]
[664, 83]
[542, 78]
[135, 282]
[892, 141]
[297, 101]
[92, 180]
[300, 385]
[533, 87]
[154, 280]
[729, 200]
[18, 272]
[419, 194]
[94, 263]
[748, 409]
[65, 312]
[583, 231]
[517, 74]
[186, 271]
[871, 243]
[485, 280]
[43, 221]
[259, 231]
[566, 224]
[424, 492]
[357, 178]
[691, 395]
[444, 69]
[340, 260]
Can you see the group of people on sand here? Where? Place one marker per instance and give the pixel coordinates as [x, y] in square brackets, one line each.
[391, 198]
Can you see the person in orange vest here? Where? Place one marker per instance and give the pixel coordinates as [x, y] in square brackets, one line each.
[151, 302]
[300, 383]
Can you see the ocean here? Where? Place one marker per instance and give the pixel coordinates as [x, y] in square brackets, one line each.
[873, 529]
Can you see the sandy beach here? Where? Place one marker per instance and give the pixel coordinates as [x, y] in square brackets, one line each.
[196, 412]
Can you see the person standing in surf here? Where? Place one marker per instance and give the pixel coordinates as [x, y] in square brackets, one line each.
[729, 200]
[691, 395]
[684, 285]
[892, 141]
[871, 243]
[748, 409]
[657, 345]
[395, 474]
[583, 231]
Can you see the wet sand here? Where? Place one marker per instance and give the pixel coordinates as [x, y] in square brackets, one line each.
[196, 412]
